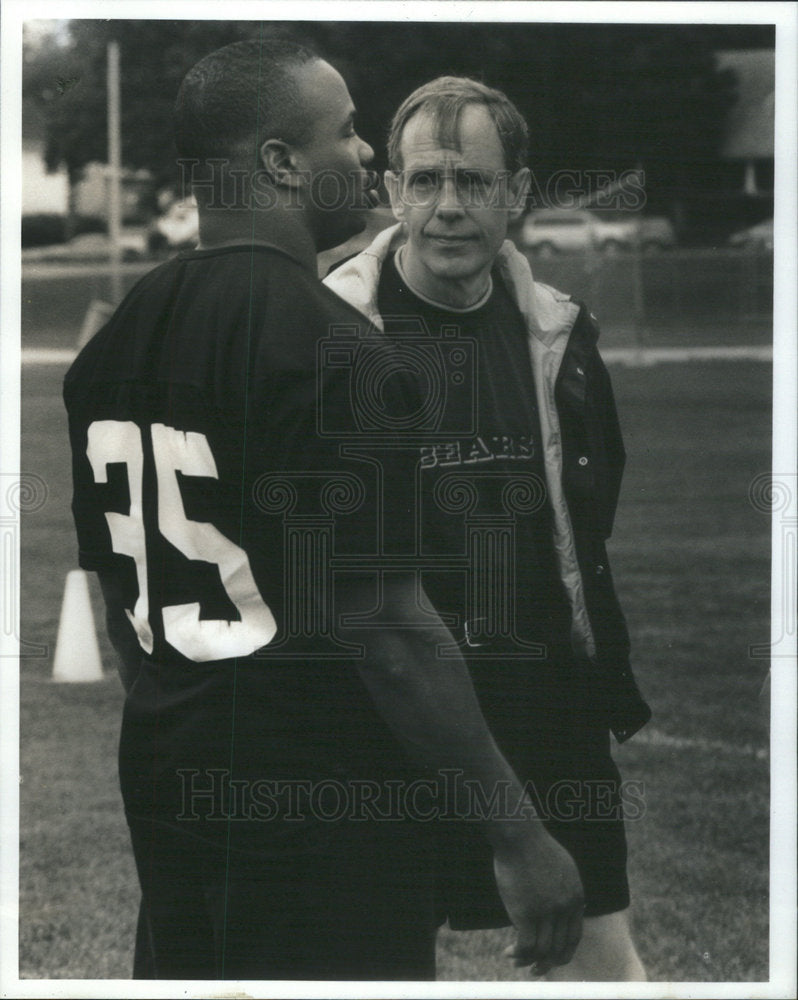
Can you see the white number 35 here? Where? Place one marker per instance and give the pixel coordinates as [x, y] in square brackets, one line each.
[117, 441]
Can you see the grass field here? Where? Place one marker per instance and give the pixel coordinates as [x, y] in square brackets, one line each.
[691, 559]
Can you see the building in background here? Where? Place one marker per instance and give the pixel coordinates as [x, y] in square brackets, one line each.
[46, 195]
[91, 194]
[734, 190]
[43, 193]
[749, 142]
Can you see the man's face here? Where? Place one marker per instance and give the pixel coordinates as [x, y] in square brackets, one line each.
[334, 156]
[455, 203]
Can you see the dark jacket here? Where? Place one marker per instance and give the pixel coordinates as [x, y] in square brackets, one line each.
[593, 463]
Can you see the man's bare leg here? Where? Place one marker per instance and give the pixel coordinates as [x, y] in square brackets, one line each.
[606, 953]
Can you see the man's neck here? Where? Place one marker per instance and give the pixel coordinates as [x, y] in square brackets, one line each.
[275, 225]
[457, 293]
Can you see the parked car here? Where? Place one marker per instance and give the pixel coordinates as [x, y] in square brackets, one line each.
[567, 230]
[656, 233]
[758, 237]
[176, 229]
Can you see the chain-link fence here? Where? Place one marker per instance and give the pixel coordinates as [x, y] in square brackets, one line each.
[677, 296]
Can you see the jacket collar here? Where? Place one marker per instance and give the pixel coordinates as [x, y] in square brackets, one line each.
[549, 314]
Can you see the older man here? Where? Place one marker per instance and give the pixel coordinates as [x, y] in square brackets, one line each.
[261, 755]
[535, 610]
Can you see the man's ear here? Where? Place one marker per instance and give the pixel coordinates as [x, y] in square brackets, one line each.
[392, 185]
[517, 190]
[279, 161]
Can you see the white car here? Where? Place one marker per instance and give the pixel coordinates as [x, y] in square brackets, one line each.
[570, 230]
[176, 229]
[758, 237]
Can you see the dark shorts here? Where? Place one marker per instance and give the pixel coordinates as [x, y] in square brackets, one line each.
[550, 723]
[356, 904]
[585, 814]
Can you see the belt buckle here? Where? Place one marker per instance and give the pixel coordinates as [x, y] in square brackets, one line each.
[467, 632]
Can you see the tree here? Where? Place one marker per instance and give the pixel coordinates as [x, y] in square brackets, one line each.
[597, 97]
[154, 57]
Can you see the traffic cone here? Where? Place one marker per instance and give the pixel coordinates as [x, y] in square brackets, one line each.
[77, 654]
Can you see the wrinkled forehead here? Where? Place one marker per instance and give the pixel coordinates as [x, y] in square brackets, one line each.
[466, 134]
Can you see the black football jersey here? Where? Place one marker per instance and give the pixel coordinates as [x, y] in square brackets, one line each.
[208, 413]
[220, 427]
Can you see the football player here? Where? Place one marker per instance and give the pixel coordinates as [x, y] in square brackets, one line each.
[226, 427]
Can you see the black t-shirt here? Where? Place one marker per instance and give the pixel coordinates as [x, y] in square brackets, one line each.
[208, 421]
[484, 504]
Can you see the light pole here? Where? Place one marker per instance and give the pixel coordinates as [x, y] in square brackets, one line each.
[114, 173]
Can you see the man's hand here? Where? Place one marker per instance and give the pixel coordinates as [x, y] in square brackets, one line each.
[542, 893]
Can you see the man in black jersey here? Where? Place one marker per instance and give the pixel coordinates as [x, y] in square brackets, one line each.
[513, 506]
[225, 484]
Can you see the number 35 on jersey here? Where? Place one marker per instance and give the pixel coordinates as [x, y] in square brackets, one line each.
[120, 441]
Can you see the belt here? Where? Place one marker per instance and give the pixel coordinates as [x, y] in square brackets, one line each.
[469, 628]
[500, 644]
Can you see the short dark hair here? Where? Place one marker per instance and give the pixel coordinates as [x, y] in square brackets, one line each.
[234, 99]
[444, 99]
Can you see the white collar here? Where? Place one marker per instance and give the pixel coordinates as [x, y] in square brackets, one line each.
[434, 302]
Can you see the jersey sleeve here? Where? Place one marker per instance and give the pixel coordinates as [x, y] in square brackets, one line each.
[93, 495]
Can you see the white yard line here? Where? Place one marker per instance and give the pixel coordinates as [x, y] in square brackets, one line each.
[642, 357]
[631, 357]
[48, 356]
[656, 738]
[33, 270]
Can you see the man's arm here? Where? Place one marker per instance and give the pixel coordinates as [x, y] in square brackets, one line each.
[120, 631]
[430, 704]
